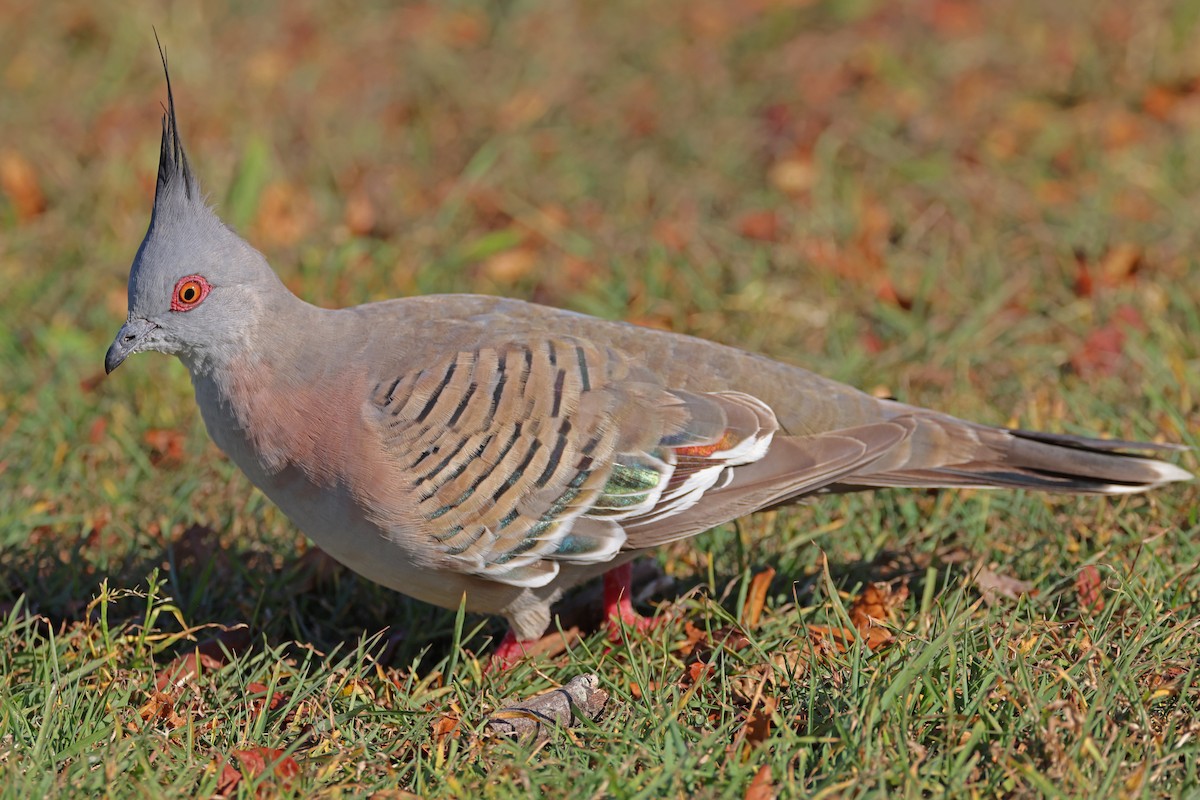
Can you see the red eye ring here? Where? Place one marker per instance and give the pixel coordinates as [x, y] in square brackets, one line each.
[189, 292]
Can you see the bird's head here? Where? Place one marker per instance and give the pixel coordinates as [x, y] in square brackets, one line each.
[195, 287]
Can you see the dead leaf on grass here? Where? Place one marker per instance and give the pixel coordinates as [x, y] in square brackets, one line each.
[360, 216]
[1162, 100]
[1102, 352]
[875, 605]
[98, 430]
[445, 727]
[166, 446]
[210, 655]
[793, 175]
[886, 291]
[1119, 264]
[19, 181]
[757, 727]
[1089, 590]
[756, 598]
[510, 266]
[761, 226]
[253, 762]
[160, 709]
[696, 672]
[271, 700]
[828, 639]
[697, 637]
[761, 786]
[992, 585]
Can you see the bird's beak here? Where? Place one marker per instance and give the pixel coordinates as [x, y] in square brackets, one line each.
[130, 339]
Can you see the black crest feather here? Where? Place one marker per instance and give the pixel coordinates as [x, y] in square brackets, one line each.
[173, 169]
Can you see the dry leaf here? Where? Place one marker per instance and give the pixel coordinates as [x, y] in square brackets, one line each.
[696, 672]
[827, 639]
[360, 215]
[762, 226]
[1161, 100]
[875, 605]
[1120, 263]
[1158, 101]
[993, 585]
[877, 602]
[271, 700]
[160, 708]
[638, 691]
[444, 727]
[871, 342]
[1084, 284]
[671, 235]
[730, 638]
[19, 182]
[255, 761]
[1102, 352]
[761, 786]
[1089, 590]
[98, 430]
[523, 108]
[488, 207]
[510, 266]
[758, 723]
[207, 655]
[229, 777]
[1130, 317]
[166, 446]
[955, 18]
[886, 291]
[697, 637]
[793, 175]
[756, 598]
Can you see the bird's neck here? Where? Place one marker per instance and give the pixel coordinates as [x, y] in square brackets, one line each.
[277, 395]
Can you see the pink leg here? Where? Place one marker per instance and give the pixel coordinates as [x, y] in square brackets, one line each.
[508, 652]
[618, 608]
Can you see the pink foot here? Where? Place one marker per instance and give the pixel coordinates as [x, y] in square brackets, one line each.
[508, 652]
[618, 608]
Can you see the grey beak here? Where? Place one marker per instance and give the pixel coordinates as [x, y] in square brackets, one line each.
[129, 341]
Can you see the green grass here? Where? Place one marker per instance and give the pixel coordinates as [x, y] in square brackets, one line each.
[622, 159]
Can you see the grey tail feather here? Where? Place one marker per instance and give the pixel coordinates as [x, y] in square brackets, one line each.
[172, 160]
[1049, 462]
[1096, 466]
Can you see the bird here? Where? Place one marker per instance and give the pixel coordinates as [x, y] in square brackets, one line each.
[492, 453]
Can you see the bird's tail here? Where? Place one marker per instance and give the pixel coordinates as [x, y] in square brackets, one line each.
[947, 452]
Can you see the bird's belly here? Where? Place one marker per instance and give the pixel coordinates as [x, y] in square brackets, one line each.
[333, 519]
[337, 524]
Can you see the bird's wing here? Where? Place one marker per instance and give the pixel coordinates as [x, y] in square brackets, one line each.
[523, 454]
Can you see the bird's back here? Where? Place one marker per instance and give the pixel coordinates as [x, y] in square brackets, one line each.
[804, 402]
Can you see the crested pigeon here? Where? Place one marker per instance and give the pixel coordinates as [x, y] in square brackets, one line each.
[495, 452]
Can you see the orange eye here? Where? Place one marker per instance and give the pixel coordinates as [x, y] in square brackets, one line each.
[189, 292]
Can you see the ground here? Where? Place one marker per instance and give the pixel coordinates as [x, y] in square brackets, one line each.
[986, 208]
